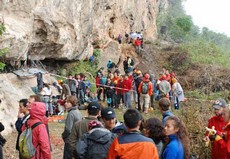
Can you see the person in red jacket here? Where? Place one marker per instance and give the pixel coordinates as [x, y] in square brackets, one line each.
[40, 137]
[127, 86]
[224, 142]
[145, 89]
[138, 44]
[218, 123]
[98, 80]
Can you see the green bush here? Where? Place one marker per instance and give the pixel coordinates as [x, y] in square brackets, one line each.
[4, 50]
[86, 67]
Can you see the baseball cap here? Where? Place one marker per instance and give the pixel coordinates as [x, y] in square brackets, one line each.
[108, 113]
[94, 105]
[219, 103]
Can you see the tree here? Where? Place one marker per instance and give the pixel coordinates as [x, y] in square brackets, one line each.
[185, 23]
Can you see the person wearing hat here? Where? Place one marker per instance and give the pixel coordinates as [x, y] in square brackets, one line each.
[137, 81]
[224, 141]
[108, 116]
[96, 142]
[146, 90]
[81, 127]
[218, 123]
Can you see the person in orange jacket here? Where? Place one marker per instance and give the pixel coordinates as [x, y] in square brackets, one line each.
[132, 145]
[145, 89]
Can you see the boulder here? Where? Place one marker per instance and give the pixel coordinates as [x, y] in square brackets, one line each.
[13, 89]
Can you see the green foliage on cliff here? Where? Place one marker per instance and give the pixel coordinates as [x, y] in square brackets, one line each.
[86, 67]
[4, 50]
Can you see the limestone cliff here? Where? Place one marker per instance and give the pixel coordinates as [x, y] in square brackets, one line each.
[66, 29]
[12, 89]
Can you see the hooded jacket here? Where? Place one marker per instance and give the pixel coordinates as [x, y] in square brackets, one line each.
[97, 141]
[40, 137]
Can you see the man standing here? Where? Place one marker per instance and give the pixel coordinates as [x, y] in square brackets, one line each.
[81, 127]
[164, 87]
[73, 116]
[23, 116]
[127, 86]
[218, 122]
[71, 82]
[109, 118]
[164, 104]
[132, 145]
[146, 90]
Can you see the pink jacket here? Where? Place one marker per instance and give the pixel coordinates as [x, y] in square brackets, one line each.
[40, 135]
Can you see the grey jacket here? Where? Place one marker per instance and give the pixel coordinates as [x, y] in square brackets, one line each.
[95, 144]
[73, 116]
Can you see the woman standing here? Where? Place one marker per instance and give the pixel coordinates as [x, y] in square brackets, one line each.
[154, 129]
[178, 93]
[46, 93]
[178, 146]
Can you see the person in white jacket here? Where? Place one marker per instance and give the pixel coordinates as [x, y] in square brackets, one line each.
[178, 93]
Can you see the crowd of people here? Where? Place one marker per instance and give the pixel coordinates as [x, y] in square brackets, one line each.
[135, 38]
[100, 135]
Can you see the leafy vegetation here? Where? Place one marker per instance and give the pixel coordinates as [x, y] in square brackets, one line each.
[196, 47]
[4, 50]
[204, 46]
[86, 67]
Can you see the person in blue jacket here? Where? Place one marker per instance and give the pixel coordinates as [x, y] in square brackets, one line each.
[178, 146]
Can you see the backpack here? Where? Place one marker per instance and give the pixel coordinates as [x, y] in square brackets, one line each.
[26, 148]
[103, 80]
[132, 62]
[145, 87]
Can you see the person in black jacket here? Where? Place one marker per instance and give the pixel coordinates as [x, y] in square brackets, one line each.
[110, 91]
[23, 116]
[95, 143]
[138, 80]
[2, 140]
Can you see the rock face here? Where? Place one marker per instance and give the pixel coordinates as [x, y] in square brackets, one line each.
[12, 90]
[66, 29]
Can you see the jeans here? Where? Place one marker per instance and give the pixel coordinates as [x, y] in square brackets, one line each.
[176, 103]
[80, 96]
[49, 107]
[127, 99]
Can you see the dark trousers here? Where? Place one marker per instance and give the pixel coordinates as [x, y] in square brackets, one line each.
[1, 152]
[101, 89]
[152, 101]
[139, 101]
[67, 153]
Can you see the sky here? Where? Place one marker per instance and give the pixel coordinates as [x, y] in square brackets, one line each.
[213, 14]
